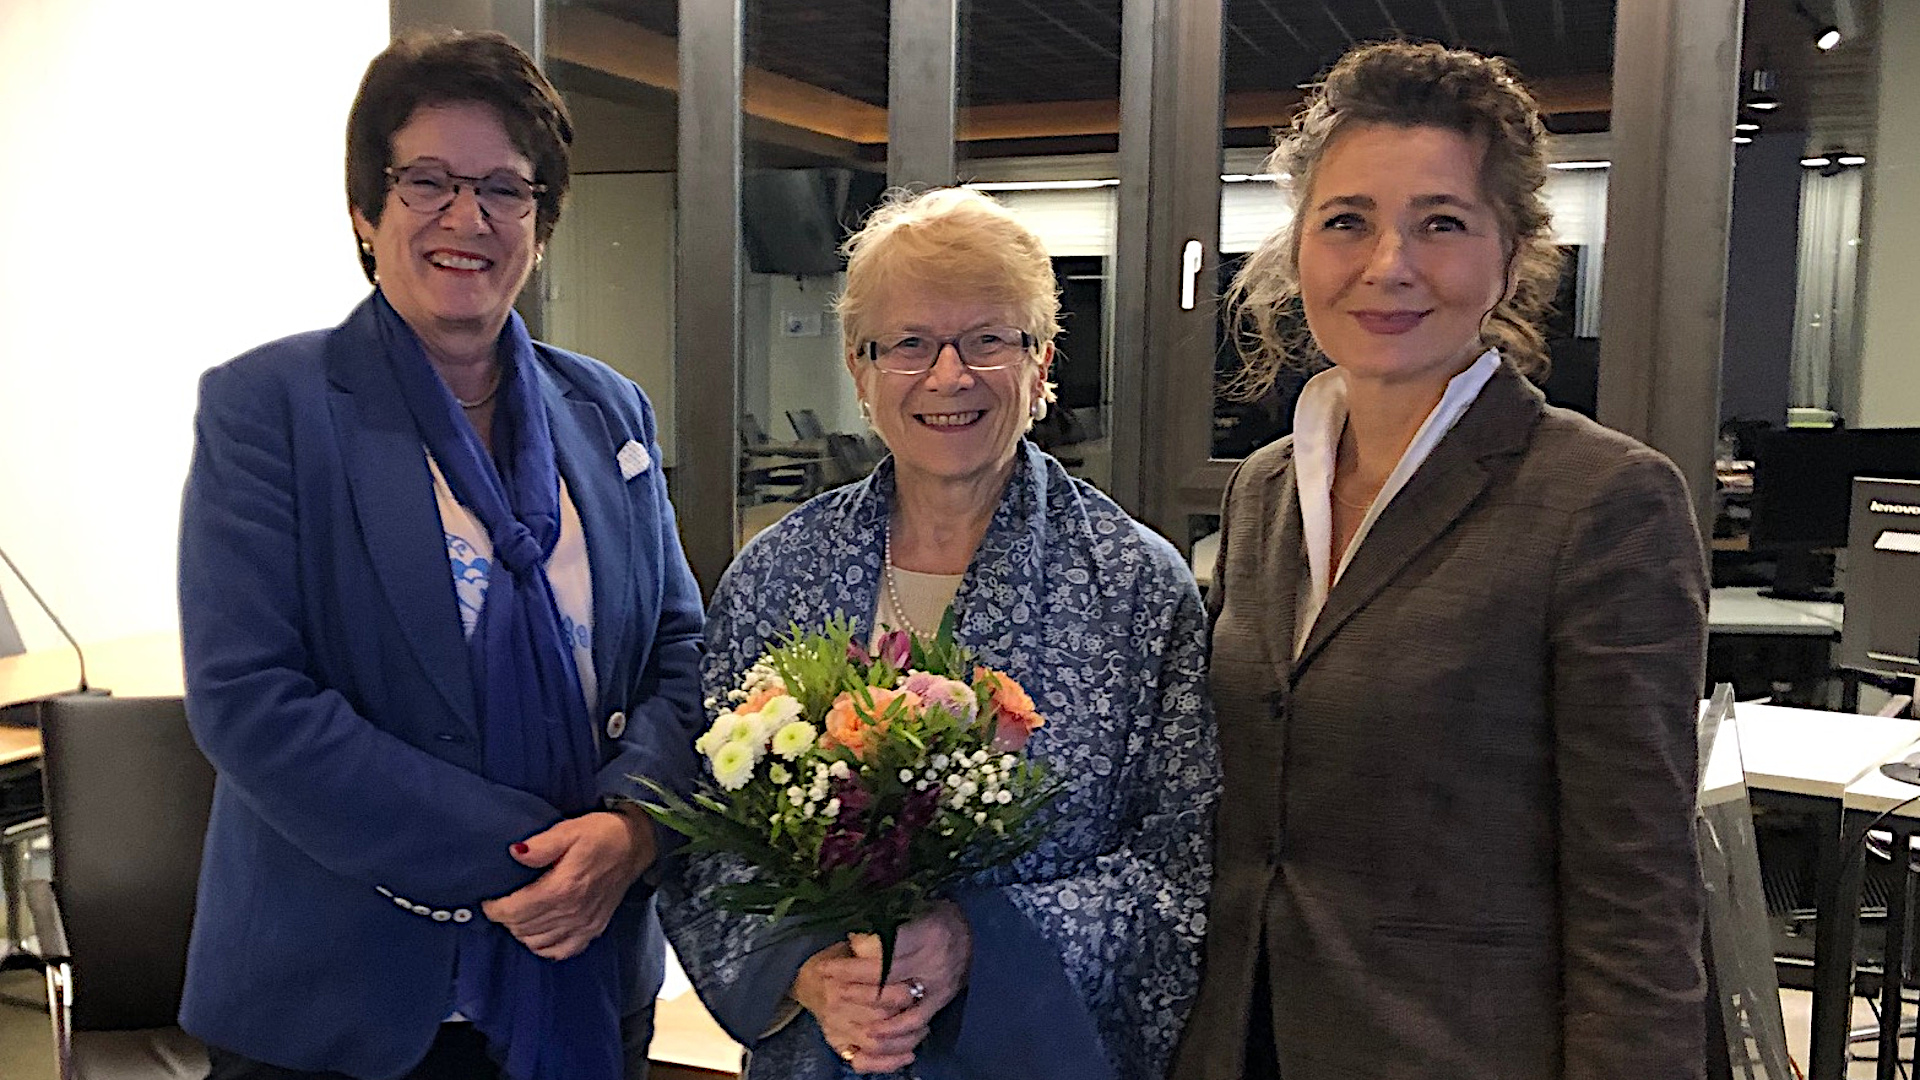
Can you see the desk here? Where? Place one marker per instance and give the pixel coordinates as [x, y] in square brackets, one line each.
[147, 665]
[1867, 799]
[1804, 760]
[1742, 610]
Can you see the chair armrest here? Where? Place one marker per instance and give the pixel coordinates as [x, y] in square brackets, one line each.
[47, 925]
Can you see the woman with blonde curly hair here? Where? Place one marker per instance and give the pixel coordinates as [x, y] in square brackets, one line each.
[1078, 960]
[1458, 637]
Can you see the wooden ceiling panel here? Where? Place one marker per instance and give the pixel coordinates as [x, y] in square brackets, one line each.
[1051, 68]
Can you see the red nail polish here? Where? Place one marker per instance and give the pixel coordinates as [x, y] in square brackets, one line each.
[521, 849]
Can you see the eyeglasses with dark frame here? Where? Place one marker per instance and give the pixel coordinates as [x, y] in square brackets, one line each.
[986, 348]
[429, 188]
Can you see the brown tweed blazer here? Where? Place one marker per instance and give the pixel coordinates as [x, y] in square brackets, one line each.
[1462, 820]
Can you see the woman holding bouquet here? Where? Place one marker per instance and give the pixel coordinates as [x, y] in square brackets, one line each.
[1459, 638]
[1077, 959]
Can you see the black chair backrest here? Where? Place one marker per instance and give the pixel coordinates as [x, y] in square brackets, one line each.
[751, 433]
[128, 794]
[806, 424]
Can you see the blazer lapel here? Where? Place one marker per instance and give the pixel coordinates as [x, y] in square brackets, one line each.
[586, 451]
[1499, 422]
[392, 492]
[1289, 550]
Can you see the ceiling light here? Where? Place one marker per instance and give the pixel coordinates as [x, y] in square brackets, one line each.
[1571, 165]
[1039, 185]
[1818, 161]
[1829, 37]
[1761, 96]
[1746, 125]
[1252, 178]
[1764, 103]
[1741, 140]
[1851, 159]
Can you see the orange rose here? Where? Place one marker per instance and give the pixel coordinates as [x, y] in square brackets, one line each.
[1014, 717]
[851, 724]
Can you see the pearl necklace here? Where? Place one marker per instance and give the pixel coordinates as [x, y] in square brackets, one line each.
[483, 398]
[893, 592]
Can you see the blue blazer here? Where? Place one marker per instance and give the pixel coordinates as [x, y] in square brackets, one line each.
[352, 836]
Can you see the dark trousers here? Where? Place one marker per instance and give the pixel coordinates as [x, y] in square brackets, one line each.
[1263, 1059]
[458, 1053]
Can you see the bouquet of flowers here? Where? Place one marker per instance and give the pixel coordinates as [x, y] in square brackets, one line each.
[859, 785]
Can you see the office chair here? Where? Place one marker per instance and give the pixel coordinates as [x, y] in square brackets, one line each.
[127, 799]
[751, 433]
[806, 425]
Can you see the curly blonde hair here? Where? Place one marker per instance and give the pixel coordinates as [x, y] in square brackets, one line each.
[1408, 85]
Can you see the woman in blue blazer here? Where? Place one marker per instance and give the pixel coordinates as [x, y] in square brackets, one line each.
[436, 622]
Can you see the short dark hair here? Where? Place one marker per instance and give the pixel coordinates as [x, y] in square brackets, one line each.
[423, 69]
[1411, 85]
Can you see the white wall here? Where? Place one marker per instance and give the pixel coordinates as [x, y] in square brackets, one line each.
[610, 282]
[174, 197]
[806, 369]
[1889, 383]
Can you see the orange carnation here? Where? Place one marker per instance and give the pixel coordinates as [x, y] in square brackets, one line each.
[1014, 717]
[760, 697]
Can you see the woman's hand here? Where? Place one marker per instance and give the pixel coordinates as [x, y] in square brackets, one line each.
[877, 1028]
[591, 861]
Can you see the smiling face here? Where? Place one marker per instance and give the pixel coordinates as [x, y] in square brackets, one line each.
[949, 423]
[455, 273]
[1400, 257]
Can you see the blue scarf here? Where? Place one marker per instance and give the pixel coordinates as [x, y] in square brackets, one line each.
[543, 1020]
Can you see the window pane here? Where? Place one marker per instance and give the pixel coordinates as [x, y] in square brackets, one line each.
[815, 163]
[1039, 103]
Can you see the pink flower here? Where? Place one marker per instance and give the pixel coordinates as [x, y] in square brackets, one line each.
[1014, 718]
[938, 691]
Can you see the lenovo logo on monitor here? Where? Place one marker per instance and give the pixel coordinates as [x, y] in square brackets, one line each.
[1879, 507]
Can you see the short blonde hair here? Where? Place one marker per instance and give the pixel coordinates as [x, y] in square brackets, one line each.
[947, 241]
[1407, 85]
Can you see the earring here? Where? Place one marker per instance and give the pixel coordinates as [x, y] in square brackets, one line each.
[539, 257]
[366, 247]
[1038, 410]
[866, 413]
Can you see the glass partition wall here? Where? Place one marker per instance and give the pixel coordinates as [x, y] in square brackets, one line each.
[1130, 133]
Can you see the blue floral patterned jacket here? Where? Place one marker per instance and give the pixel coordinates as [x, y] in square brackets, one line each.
[1086, 949]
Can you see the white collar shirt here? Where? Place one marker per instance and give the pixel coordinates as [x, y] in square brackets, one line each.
[1319, 418]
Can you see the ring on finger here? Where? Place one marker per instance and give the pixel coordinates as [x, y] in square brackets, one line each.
[848, 1051]
[916, 990]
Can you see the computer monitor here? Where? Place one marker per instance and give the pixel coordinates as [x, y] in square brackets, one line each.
[1803, 490]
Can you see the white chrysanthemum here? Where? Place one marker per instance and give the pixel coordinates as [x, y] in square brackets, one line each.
[840, 770]
[779, 773]
[794, 738]
[733, 765]
[718, 735]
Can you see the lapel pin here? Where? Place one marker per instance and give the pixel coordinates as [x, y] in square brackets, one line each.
[633, 459]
